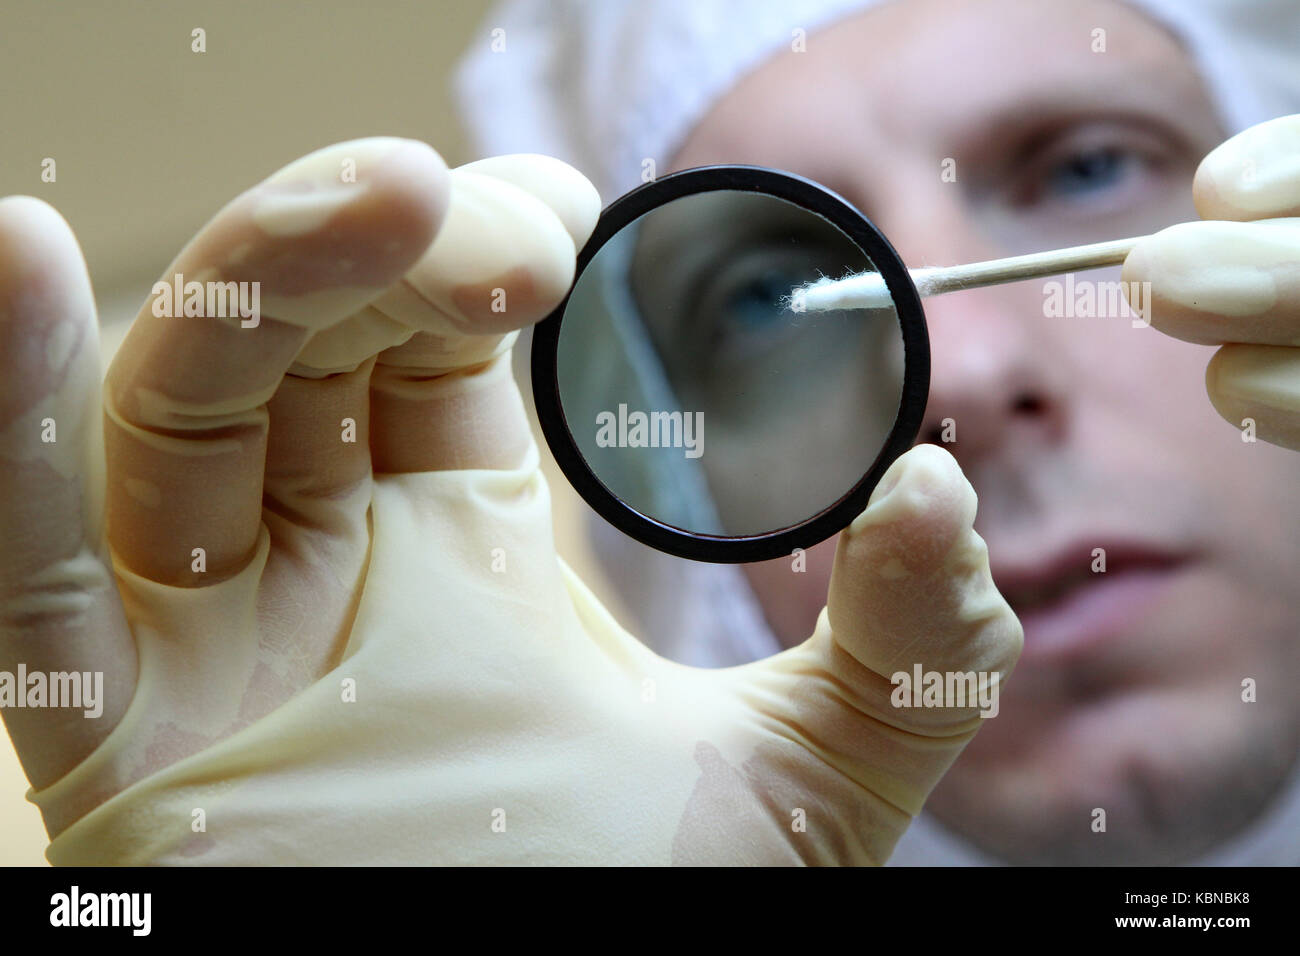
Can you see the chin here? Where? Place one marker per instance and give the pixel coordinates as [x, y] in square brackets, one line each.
[1149, 777]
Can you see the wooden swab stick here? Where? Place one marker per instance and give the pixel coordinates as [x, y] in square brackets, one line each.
[867, 290]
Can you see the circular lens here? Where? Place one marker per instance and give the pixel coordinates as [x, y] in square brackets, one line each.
[689, 396]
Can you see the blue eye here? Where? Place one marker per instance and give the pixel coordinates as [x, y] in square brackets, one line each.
[740, 309]
[1087, 172]
[756, 304]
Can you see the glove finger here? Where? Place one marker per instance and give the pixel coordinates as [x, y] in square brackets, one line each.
[1258, 385]
[564, 190]
[186, 394]
[317, 487]
[911, 584]
[59, 609]
[1254, 175]
[505, 257]
[910, 589]
[1216, 282]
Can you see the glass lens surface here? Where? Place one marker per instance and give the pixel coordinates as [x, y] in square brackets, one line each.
[695, 388]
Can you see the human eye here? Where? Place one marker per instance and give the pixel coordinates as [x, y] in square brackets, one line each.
[1089, 171]
[1091, 168]
[742, 306]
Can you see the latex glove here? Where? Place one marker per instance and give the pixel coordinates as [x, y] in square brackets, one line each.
[384, 660]
[1235, 280]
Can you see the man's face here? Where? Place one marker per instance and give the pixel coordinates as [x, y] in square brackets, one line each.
[969, 131]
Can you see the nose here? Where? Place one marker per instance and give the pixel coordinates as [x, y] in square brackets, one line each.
[993, 381]
[988, 386]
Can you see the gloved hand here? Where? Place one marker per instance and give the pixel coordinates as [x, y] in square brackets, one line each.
[1234, 280]
[382, 658]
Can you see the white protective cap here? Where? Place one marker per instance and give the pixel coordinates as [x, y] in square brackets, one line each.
[605, 85]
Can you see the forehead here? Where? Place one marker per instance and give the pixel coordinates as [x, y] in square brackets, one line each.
[936, 74]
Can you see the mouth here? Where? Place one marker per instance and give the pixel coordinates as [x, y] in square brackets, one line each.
[1073, 599]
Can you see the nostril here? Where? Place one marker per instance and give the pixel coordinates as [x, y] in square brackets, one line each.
[1026, 404]
[930, 436]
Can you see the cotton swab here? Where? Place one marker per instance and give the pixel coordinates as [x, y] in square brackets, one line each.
[867, 289]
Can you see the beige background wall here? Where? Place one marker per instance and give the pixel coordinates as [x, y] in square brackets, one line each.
[150, 139]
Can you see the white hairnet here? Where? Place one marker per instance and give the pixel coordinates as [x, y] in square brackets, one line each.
[605, 85]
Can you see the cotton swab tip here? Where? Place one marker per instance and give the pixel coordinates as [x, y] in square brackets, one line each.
[864, 291]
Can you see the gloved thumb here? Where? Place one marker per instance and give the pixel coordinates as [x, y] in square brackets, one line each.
[911, 582]
[911, 593]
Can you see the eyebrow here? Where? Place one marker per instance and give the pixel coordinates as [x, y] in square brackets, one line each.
[1143, 97]
[704, 248]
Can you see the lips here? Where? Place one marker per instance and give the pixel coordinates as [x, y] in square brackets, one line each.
[1068, 607]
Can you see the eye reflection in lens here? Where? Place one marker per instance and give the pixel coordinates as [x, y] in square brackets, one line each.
[687, 310]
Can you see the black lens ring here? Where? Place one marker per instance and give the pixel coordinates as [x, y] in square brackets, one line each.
[720, 549]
